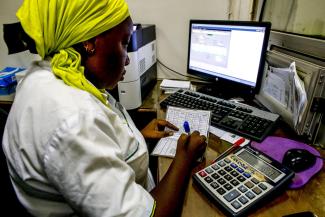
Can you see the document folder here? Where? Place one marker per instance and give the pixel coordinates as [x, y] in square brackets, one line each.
[313, 76]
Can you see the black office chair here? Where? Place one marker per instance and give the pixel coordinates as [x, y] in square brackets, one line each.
[9, 201]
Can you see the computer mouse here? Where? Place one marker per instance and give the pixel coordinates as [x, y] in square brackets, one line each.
[299, 159]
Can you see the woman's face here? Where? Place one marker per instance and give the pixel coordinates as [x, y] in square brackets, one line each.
[105, 68]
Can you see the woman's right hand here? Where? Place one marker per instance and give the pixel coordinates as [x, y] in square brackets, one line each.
[191, 147]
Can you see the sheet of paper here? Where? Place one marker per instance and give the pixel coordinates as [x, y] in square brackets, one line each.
[166, 83]
[286, 87]
[198, 120]
[226, 136]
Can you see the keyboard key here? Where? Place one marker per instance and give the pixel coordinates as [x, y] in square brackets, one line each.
[222, 172]
[228, 177]
[242, 188]
[209, 170]
[261, 185]
[257, 190]
[234, 182]
[227, 186]
[221, 163]
[214, 185]
[249, 184]
[215, 166]
[247, 174]
[240, 170]
[250, 195]
[233, 165]
[234, 173]
[221, 181]
[236, 204]
[243, 199]
[255, 180]
[241, 178]
[208, 179]
[215, 176]
[228, 168]
[203, 173]
[231, 195]
[221, 191]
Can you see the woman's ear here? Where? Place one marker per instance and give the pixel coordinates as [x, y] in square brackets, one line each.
[89, 46]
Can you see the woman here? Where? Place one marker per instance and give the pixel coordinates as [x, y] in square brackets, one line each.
[71, 148]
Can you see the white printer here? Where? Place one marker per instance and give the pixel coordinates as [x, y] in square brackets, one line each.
[141, 73]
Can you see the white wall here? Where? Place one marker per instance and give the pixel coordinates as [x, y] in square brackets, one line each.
[8, 15]
[170, 17]
[172, 20]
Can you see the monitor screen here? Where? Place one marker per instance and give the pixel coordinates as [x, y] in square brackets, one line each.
[229, 51]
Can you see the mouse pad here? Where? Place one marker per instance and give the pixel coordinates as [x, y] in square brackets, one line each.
[276, 147]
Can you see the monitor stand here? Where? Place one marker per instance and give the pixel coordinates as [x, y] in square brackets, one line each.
[224, 92]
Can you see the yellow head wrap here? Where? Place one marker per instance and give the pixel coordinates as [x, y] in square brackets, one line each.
[56, 25]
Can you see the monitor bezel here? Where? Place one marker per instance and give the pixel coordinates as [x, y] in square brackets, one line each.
[245, 89]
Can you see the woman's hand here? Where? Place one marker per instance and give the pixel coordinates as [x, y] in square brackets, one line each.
[191, 147]
[155, 129]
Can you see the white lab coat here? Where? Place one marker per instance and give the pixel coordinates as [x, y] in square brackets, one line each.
[63, 140]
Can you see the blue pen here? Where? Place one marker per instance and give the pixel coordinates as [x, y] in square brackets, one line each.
[186, 126]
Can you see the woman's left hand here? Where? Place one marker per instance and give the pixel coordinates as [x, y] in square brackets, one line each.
[155, 129]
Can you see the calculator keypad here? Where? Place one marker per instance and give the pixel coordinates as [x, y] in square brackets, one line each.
[233, 184]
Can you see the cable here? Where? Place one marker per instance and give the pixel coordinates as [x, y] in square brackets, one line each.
[187, 76]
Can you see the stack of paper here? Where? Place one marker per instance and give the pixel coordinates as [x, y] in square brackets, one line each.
[285, 86]
[198, 120]
[174, 85]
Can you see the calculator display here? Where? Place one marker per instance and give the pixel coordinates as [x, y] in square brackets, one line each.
[260, 165]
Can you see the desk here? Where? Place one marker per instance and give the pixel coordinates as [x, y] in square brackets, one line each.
[309, 198]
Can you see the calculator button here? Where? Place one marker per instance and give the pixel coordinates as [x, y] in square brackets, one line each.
[203, 173]
[257, 190]
[209, 170]
[247, 175]
[221, 181]
[261, 185]
[222, 172]
[240, 169]
[234, 182]
[208, 179]
[215, 175]
[228, 168]
[236, 204]
[221, 191]
[215, 166]
[214, 185]
[250, 195]
[227, 160]
[234, 173]
[255, 180]
[231, 195]
[233, 165]
[242, 188]
[243, 199]
[249, 184]
[221, 163]
[228, 177]
[241, 178]
[227, 186]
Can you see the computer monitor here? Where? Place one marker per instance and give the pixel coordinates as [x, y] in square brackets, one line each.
[230, 53]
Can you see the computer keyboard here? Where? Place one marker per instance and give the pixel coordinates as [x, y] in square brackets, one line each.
[238, 118]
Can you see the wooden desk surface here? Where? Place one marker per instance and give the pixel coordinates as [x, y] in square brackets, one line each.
[311, 197]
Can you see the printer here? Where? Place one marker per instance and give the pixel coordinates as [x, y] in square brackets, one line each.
[141, 73]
